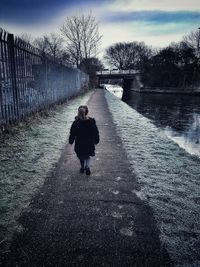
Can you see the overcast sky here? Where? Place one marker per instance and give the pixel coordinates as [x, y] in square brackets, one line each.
[156, 22]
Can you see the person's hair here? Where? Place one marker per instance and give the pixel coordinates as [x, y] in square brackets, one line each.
[82, 113]
[86, 110]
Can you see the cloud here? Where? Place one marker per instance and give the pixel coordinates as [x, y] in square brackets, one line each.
[38, 11]
[162, 5]
[155, 35]
[154, 17]
[156, 22]
[28, 12]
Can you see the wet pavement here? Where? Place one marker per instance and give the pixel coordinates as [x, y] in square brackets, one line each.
[97, 220]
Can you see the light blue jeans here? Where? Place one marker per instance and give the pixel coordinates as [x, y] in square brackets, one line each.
[85, 163]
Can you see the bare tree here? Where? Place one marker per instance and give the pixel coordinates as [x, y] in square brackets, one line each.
[41, 44]
[127, 55]
[51, 44]
[91, 37]
[115, 55]
[193, 41]
[90, 66]
[82, 37]
[54, 45]
[26, 37]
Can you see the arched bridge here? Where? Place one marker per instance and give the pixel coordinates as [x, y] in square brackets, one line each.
[131, 78]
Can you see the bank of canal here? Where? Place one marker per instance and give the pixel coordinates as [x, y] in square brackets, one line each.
[168, 176]
[28, 154]
[169, 179]
[177, 115]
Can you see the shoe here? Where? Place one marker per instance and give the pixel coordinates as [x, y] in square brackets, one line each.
[87, 171]
[81, 170]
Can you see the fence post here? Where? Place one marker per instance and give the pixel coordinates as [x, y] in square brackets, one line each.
[12, 65]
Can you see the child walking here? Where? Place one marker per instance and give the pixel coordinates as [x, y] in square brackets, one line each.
[86, 135]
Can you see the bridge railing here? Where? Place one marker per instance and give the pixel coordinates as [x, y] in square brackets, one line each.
[110, 72]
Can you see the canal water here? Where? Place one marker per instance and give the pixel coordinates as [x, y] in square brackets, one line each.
[160, 136]
[177, 115]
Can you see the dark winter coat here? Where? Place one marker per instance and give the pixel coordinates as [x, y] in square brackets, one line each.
[86, 136]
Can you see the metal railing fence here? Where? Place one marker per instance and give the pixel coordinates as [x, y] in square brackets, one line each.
[31, 81]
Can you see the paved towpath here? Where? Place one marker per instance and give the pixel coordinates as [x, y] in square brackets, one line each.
[97, 220]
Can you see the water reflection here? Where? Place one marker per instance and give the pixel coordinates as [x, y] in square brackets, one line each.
[177, 115]
[115, 89]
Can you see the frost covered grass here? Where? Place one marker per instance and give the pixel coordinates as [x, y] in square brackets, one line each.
[27, 155]
[169, 178]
